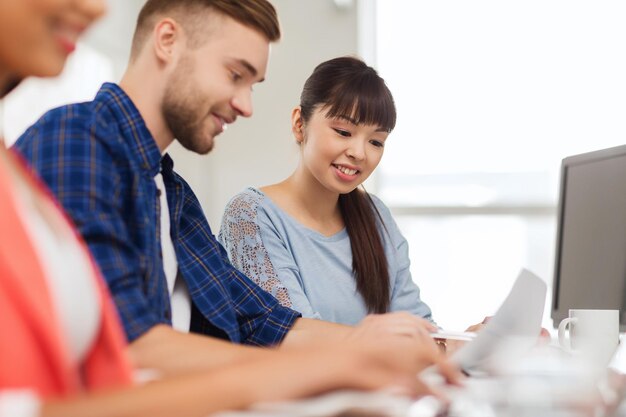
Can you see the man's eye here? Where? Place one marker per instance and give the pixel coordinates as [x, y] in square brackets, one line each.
[235, 76]
[377, 143]
[342, 132]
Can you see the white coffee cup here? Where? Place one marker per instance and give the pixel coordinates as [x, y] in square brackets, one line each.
[593, 333]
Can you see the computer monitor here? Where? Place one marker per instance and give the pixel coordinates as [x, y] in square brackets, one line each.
[590, 261]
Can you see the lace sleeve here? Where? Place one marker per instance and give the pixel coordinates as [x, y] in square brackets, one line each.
[240, 235]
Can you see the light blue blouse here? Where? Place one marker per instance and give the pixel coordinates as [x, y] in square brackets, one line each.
[305, 270]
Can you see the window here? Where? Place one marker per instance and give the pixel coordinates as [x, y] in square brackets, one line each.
[491, 96]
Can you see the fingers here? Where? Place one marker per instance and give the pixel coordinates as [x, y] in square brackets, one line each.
[407, 355]
[421, 388]
[479, 326]
[408, 329]
[430, 354]
[454, 345]
[475, 328]
[427, 325]
[450, 372]
[401, 323]
[544, 336]
[374, 378]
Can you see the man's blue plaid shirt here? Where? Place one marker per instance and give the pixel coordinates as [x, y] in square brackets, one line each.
[100, 160]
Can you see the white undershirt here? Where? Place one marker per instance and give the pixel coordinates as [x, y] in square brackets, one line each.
[71, 284]
[70, 275]
[180, 299]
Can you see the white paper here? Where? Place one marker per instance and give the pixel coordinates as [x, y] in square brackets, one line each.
[518, 318]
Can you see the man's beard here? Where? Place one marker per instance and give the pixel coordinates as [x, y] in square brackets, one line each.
[180, 110]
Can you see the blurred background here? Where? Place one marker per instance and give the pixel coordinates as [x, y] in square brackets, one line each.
[491, 95]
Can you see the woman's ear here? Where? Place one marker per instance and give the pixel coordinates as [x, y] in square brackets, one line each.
[297, 124]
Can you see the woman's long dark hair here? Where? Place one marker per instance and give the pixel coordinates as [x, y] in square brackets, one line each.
[347, 87]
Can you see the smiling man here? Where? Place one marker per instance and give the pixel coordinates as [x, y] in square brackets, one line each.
[192, 66]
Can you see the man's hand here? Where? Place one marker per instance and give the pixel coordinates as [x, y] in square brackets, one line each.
[404, 342]
[399, 324]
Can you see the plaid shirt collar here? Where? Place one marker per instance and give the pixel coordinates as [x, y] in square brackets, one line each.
[133, 128]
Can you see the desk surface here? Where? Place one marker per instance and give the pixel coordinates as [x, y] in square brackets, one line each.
[484, 397]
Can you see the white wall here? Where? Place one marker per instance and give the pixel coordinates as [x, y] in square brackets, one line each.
[112, 34]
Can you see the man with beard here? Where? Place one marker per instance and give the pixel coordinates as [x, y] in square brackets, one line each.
[192, 66]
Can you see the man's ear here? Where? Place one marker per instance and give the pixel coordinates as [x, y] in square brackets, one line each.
[297, 124]
[167, 34]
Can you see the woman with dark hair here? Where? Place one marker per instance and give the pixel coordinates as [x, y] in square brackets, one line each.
[62, 350]
[317, 241]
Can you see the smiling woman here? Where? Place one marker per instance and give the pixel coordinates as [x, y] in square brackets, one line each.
[316, 241]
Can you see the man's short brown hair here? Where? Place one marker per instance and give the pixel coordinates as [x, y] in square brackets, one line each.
[256, 14]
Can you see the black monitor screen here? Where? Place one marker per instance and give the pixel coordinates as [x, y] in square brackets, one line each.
[590, 268]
